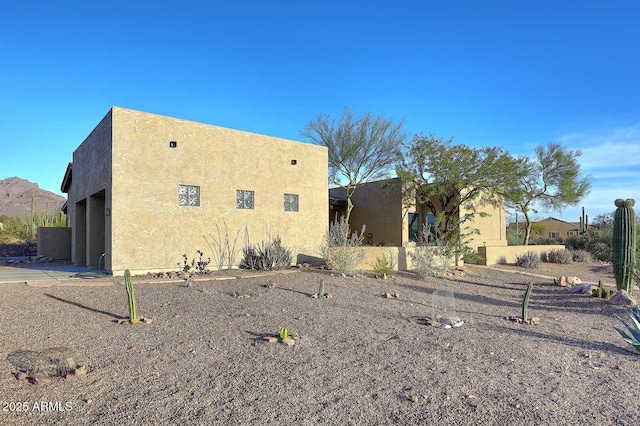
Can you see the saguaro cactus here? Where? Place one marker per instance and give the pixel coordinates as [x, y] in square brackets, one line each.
[584, 223]
[624, 244]
[131, 296]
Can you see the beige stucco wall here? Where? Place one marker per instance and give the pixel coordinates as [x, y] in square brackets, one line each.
[378, 206]
[54, 242]
[151, 230]
[492, 227]
[91, 175]
[508, 254]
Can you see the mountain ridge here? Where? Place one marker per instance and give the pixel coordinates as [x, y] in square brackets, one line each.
[16, 195]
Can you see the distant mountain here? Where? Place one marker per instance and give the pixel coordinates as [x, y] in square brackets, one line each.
[16, 194]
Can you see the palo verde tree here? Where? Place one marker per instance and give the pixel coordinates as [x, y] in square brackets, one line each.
[445, 177]
[361, 148]
[551, 180]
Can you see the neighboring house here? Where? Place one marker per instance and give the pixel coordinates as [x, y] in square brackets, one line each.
[144, 189]
[389, 222]
[555, 228]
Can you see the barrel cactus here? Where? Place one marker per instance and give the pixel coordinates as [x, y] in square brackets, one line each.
[624, 244]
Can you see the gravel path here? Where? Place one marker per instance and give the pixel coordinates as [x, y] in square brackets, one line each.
[360, 358]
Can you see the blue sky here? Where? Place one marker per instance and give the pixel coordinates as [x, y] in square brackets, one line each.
[513, 74]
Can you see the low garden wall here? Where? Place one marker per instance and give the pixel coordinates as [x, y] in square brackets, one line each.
[507, 254]
[54, 242]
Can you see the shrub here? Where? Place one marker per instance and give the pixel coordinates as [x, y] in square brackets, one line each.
[600, 251]
[428, 259]
[581, 256]
[563, 256]
[529, 259]
[544, 256]
[341, 250]
[576, 242]
[386, 264]
[268, 255]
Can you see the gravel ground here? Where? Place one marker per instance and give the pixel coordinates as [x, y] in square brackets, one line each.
[360, 359]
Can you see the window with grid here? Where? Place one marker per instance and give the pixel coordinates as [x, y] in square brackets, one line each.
[244, 199]
[290, 202]
[188, 195]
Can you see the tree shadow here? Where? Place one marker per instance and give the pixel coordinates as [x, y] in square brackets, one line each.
[601, 346]
[79, 305]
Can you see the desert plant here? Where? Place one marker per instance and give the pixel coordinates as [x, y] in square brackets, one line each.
[529, 259]
[525, 302]
[225, 252]
[321, 291]
[130, 296]
[624, 244]
[284, 333]
[584, 223]
[266, 256]
[633, 327]
[429, 259]
[385, 265]
[581, 256]
[563, 256]
[197, 266]
[341, 249]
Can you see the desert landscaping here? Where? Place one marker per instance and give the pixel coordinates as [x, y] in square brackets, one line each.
[358, 357]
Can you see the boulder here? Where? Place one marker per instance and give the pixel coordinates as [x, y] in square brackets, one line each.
[622, 298]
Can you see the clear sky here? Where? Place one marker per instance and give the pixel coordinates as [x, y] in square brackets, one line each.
[506, 73]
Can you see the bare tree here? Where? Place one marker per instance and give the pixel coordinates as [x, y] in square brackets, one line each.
[361, 148]
[551, 180]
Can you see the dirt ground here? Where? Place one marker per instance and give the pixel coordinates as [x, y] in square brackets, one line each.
[360, 358]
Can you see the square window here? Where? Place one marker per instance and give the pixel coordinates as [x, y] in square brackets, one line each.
[290, 202]
[188, 195]
[244, 199]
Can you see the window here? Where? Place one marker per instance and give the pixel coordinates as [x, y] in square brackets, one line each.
[554, 234]
[569, 233]
[290, 202]
[244, 199]
[188, 195]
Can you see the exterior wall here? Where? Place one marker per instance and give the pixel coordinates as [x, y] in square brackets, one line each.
[551, 225]
[378, 206]
[492, 227]
[508, 254]
[91, 175]
[54, 242]
[151, 230]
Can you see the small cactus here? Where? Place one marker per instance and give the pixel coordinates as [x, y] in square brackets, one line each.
[130, 296]
[321, 292]
[525, 302]
[284, 333]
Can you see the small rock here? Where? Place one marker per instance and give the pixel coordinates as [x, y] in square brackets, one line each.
[80, 370]
[328, 295]
[343, 275]
[562, 282]
[314, 296]
[88, 401]
[388, 295]
[270, 339]
[622, 298]
[458, 323]
[20, 375]
[40, 381]
[289, 341]
[577, 289]
[414, 399]
[445, 326]
[147, 320]
[534, 320]
[573, 281]
[396, 295]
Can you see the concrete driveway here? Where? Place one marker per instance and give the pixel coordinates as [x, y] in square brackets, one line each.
[30, 272]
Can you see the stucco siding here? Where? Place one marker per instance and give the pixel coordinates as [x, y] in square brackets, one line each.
[151, 229]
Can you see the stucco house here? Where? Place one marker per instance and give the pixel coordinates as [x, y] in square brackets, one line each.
[144, 189]
[555, 228]
[391, 221]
